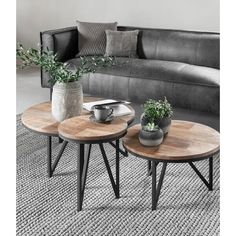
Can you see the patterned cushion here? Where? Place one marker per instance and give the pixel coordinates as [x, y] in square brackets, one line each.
[92, 37]
[121, 43]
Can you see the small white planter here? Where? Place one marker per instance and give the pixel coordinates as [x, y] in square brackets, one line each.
[67, 100]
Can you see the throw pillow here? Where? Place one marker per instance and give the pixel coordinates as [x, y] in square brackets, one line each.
[92, 37]
[121, 43]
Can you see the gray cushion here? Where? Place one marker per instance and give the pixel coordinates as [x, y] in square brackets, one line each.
[92, 37]
[121, 43]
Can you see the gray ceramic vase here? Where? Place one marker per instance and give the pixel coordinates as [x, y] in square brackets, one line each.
[151, 138]
[67, 100]
[164, 124]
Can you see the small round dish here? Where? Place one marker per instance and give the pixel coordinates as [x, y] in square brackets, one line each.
[108, 120]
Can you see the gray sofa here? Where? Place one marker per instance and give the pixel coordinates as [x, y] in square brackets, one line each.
[181, 65]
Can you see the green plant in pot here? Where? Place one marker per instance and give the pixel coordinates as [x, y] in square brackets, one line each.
[167, 113]
[151, 113]
[158, 112]
[67, 96]
[150, 135]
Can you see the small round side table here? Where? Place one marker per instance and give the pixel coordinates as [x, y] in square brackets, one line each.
[83, 131]
[186, 142]
[38, 118]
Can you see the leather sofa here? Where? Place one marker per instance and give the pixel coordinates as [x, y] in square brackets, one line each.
[181, 65]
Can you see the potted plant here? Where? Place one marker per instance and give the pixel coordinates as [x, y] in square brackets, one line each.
[151, 113]
[157, 112]
[167, 113]
[150, 135]
[67, 96]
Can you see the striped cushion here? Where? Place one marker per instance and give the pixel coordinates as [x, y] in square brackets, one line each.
[92, 37]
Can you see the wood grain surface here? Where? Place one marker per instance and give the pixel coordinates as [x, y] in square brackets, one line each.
[81, 128]
[185, 141]
[39, 118]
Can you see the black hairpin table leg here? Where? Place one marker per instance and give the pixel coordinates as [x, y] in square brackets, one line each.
[114, 185]
[157, 190]
[210, 183]
[82, 169]
[60, 140]
[149, 167]
[80, 164]
[118, 168]
[51, 167]
[49, 156]
[122, 152]
[210, 174]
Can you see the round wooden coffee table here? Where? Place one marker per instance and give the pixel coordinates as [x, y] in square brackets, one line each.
[185, 142]
[38, 118]
[83, 131]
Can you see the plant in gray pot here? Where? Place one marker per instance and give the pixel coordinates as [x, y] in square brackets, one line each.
[151, 113]
[150, 135]
[159, 112]
[166, 111]
[67, 96]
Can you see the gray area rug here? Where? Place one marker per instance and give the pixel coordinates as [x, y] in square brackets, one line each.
[48, 206]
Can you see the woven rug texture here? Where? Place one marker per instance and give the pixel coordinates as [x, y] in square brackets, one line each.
[47, 206]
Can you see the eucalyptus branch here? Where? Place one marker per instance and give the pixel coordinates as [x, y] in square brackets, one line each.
[59, 71]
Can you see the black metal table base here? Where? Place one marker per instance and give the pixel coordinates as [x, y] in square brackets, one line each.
[60, 140]
[82, 168]
[82, 165]
[156, 190]
[123, 152]
[52, 166]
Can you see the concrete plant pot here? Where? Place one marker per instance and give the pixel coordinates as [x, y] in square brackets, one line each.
[165, 124]
[151, 138]
[67, 100]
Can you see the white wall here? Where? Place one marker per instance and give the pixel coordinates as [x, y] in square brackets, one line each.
[34, 16]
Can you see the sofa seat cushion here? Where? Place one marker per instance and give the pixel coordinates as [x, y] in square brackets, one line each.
[185, 86]
[175, 72]
[169, 71]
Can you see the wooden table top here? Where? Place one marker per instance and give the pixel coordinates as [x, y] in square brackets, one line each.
[39, 117]
[184, 141]
[81, 128]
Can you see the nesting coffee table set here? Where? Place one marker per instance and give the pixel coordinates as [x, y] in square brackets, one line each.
[185, 142]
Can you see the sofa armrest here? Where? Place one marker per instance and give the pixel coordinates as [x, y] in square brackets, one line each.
[64, 42]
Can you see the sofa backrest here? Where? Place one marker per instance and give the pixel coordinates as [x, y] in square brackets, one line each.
[193, 47]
